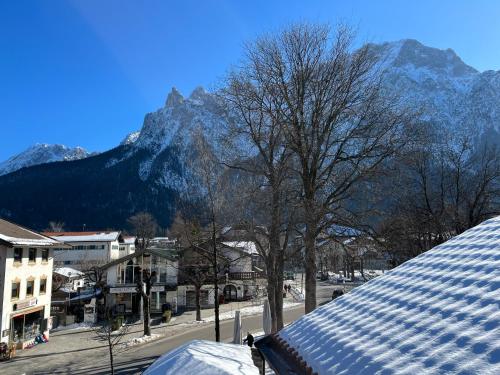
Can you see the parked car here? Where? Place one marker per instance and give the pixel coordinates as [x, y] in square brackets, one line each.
[289, 275]
[337, 293]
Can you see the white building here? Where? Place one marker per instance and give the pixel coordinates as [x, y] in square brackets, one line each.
[89, 248]
[128, 246]
[123, 273]
[237, 278]
[26, 261]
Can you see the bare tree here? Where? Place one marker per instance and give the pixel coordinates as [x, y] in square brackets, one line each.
[56, 226]
[144, 284]
[144, 227]
[112, 335]
[328, 104]
[206, 190]
[256, 135]
[451, 184]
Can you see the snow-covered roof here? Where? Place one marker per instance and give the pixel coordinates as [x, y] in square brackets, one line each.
[16, 235]
[84, 236]
[207, 358]
[129, 239]
[247, 246]
[437, 313]
[67, 272]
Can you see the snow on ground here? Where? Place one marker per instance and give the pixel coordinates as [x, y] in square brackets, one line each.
[207, 358]
[72, 327]
[245, 311]
[142, 340]
[435, 314]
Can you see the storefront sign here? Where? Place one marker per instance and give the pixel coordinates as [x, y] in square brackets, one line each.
[154, 288]
[123, 290]
[24, 304]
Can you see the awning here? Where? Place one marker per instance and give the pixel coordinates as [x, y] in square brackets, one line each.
[26, 311]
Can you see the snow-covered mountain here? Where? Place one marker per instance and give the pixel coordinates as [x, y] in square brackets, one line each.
[173, 127]
[42, 153]
[150, 169]
[446, 90]
[130, 138]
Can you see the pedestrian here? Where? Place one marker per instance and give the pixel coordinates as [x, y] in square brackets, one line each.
[249, 339]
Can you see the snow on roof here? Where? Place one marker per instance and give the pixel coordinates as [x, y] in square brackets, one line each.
[207, 358]
[19, 236]
[67, 272]
[129, 239]
[247, 246]
[84, 236]
[437, 313]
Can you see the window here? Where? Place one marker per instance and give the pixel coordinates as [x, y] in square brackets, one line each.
[30, 285]
[122, 248]
[32, 255]
[16, 286]
[43, 286]
[66, 262]
[18, 255]
[114, 247]
[45, 255]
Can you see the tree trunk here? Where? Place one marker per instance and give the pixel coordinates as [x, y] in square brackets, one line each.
[279, 290]
[147, 315]
[271, 286]
[276, 253]
[310, 250]
[110, 347]
[197, 302]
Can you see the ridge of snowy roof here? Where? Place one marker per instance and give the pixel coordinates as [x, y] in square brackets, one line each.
[207, 358]
[247, 246]
[16, 235]
[436, 313]
[84, 236]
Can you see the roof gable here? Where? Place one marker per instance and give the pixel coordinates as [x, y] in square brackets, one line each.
[16, 235]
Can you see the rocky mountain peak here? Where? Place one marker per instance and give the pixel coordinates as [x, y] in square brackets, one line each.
[174, 98]
[411, 54]
[414, 53]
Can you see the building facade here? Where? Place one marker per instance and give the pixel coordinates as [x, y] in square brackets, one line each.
[89, 248]
[26, 262]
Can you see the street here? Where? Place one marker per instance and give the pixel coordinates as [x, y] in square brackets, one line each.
[94, 358]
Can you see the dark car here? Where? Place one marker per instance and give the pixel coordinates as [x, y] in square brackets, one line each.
[337, 293]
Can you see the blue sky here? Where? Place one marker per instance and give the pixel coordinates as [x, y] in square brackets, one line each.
[86, 72]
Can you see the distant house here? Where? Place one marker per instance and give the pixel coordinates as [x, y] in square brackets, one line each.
[68, 278]
[127, 246]
[123, 273]
[238, 280]
[90, 248]
[437, 313]
[26, 261]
